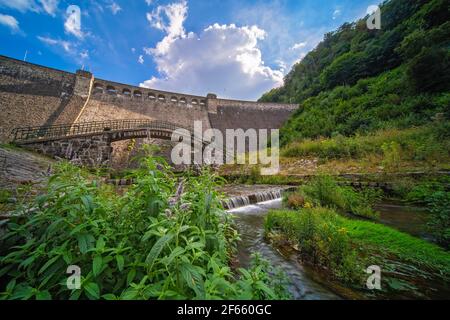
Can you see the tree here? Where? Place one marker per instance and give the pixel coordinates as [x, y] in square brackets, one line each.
[429, 71]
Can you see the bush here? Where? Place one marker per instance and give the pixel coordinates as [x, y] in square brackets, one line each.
[321, 240]
[325, 191]
[162, 239]
[439, 223]
[343, 248]
[429, 70]
[392, 156]
[294, 200]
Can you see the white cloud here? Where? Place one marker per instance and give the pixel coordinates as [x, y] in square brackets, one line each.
[66, 45]
[149, 2]
[50, 6]
[298, 45]
[72, 24]
[336, 13]
[133, 50]
[10, 22]
[284, 29]
[224, 59]
[20, 5]
[141, 59]
[169, 19]
[115, 8]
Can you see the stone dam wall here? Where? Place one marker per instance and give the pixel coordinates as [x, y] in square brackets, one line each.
[33, 95]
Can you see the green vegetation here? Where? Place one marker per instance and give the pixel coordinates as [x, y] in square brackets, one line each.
[439, 204]
[5, 195]
[429, 143]
[359, 80]
[344, 248]
[325, 191]
[434, 194]
[420, 192]
[164, 238]
[321, 239]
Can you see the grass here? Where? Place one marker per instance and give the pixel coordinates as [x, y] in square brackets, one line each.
[324, 191]
[425, 148]
[418, 144]
[344, 248]
[382, 239]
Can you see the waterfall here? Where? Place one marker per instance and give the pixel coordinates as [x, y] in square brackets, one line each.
[268, 195]
[245, 200]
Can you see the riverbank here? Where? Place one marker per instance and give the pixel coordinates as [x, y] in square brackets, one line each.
[344, 248]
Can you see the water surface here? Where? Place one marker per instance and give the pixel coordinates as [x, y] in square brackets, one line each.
[250, 224]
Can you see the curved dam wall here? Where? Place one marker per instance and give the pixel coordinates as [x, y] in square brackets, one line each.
[232, 114]
[110, 100]
[33, 95]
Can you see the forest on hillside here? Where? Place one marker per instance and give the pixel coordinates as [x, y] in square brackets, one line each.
[358, 80]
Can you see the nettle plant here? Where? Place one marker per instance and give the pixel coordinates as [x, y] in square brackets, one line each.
[164, 238]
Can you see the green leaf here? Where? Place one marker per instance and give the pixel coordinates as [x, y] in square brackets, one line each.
[97, 265]
[93, 290]
[130, 276]
[120, 262]
[157, 248]
[85, 242]
[100, 244]
[193, 275]
[263, 287]
[23, 292]
[11, 285]
[48, 264]
[175, 253]
[129, 294]
[88, 202]
[43, 295]
[75, 295]
[27, 261]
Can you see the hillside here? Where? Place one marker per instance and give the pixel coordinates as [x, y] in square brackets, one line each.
[359, 80]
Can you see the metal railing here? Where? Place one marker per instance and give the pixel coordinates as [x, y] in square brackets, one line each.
[85, 128]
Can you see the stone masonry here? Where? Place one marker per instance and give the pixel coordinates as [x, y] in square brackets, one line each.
[33, 95]
[92, 151]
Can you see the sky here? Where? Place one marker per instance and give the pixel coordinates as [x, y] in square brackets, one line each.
[236, 49]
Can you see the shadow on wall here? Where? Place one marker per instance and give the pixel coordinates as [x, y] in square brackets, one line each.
[125, 153]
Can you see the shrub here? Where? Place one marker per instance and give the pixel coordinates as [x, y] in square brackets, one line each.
[321, 240]
[343, 248]
[162, 239]
[294, 200]
[325, 191]
[439, 223]
[391, 151]
[427, 143]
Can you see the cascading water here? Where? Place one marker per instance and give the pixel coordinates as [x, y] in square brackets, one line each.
[245, 200]
[249, 212]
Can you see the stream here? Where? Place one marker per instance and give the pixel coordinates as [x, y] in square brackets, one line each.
[250, 223]
[250, 206]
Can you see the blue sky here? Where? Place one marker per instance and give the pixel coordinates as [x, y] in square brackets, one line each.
[236, 49]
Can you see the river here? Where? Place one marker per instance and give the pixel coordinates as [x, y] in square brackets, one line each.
[250, 224]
